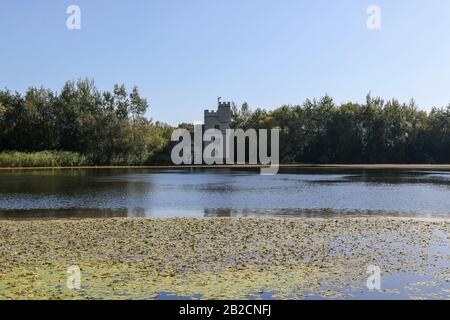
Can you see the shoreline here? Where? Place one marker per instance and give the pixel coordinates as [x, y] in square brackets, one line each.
[352, 217]
[225, 258]
[281, 166]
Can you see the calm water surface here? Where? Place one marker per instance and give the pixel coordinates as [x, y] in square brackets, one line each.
[221, 192]
[31, 194]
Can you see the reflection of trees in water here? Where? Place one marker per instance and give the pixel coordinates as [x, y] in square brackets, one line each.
[64, 213]
[73, 213]
[78, 183]
[299, 212]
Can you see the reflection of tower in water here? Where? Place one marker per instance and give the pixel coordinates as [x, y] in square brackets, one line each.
[227, 212]
[217, 212]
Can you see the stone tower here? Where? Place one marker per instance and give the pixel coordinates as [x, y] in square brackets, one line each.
[219, 119]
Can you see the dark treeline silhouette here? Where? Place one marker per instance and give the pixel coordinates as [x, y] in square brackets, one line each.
[319, 131]
[105, 127]
[82, 125]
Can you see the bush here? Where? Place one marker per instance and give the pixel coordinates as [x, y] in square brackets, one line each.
[11, 159]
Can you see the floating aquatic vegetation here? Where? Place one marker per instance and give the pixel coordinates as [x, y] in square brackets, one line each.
[220, 258]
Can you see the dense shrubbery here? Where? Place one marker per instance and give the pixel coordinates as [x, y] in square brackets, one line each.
[82, 125]
[319, 131]
[107, 128]
[42, 159]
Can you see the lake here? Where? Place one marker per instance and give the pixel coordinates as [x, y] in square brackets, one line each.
[222, 192]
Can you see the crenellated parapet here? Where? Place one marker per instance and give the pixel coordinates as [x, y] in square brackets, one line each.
[218, 119]
[210, 113]
[224, 104]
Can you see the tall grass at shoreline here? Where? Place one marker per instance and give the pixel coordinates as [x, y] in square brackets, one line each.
[12, 159]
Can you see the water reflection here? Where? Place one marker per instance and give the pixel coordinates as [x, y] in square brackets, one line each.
[72, 213]
[307, 213]
[302, 192]
[64, 213]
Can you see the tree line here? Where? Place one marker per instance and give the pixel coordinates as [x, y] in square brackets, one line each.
[377, 131]
[105, 127]
[110, 128]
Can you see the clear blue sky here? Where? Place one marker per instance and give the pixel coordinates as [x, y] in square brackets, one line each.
[182, 54]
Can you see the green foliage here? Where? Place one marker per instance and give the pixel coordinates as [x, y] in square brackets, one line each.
[108, 128]
[42, 159]
[319, 131]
